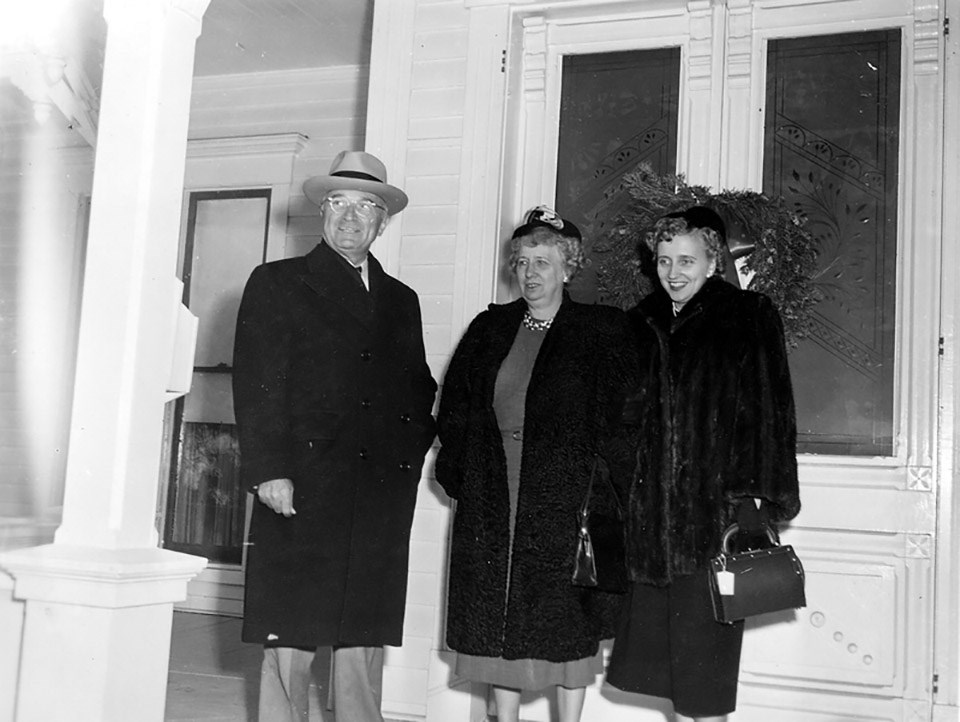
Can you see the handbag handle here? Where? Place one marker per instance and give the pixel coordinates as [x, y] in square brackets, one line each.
[731, 532]
[584, 508]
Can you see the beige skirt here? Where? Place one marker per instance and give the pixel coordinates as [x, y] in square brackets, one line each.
[530, 674]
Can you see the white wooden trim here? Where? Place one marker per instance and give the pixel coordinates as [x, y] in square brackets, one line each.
[242, 161]
[478, 230]
[740, 121]
[270, 80]
[702, 74]
[920, 213]
[947, 644]
[388, 107]
[218, 589]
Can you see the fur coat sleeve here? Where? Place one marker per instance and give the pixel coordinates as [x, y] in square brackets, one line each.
[763, 450]
[459, 389]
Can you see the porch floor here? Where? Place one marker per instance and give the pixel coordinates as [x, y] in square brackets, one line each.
[213, 675]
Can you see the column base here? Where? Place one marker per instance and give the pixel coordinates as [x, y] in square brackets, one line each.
[96, 630]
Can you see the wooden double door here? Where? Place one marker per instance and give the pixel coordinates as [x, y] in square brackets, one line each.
[833, 107]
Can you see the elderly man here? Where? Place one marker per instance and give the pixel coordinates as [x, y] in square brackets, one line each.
[333, 401]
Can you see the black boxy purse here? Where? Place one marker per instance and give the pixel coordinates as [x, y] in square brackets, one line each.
[755, 582]
[600, 558]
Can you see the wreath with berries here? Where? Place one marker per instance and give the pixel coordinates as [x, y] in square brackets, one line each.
[779, 254]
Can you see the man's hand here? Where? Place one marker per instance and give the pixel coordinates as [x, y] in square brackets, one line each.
[278, 495]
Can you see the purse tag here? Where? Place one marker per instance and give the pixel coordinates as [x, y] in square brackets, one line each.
[725, 582]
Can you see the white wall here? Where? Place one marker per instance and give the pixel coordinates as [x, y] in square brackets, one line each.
[326, 105]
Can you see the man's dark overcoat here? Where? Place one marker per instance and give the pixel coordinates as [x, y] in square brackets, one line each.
[573, 409]
[719, 426]
[331, 390]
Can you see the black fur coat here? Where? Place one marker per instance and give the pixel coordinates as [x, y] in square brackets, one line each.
[718, 426]
[573, 409]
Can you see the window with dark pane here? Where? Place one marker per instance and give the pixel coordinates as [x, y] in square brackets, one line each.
[225, 239]
[831, 149]
[616, 111]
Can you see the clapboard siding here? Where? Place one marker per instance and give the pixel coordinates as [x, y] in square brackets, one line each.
[327, 105]
[435, 80]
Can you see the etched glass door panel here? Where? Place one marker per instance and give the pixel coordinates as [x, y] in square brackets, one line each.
[830, 149]
[617, 110]
[225, 239]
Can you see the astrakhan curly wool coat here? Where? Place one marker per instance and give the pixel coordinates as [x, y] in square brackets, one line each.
[573, 408]
[719, 426]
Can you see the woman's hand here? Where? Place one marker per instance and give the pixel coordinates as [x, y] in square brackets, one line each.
[751, 516]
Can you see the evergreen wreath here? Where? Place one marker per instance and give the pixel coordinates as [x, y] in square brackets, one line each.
[783, 263]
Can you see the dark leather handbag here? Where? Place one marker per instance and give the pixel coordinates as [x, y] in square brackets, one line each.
[600, 558]
[755, 582]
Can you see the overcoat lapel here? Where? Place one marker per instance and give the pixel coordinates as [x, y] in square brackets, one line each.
[329, 276]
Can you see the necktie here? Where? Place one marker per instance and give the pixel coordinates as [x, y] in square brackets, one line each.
[359, 270]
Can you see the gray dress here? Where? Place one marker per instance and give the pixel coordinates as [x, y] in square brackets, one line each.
[509, 397]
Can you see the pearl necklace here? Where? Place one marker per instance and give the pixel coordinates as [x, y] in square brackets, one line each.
[535, 324]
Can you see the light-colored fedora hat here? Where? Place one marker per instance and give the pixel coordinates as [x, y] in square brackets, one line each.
[355, 170]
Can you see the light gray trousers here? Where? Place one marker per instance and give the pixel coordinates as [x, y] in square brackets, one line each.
[356, 684]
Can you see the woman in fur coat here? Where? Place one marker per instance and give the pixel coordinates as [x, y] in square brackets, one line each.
[718, 446]
[533, 395]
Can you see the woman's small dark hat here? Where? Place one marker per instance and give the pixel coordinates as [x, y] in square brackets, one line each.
[702, 217]
[543, 217]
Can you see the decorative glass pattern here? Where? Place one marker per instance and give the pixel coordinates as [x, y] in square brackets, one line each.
[616, 111]
[831, 150]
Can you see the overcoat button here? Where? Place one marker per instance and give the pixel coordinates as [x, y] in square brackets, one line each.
[405, 419]
[404, 466]
[365, 355]
[363, 453]
[517, 435]
[365, 404]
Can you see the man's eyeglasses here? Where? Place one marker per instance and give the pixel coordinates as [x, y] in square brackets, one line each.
[364, 207]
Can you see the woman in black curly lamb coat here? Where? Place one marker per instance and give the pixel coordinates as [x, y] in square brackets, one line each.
[718, 446]
[533, 394]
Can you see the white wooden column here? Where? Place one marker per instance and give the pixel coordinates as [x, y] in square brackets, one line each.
[99, 600]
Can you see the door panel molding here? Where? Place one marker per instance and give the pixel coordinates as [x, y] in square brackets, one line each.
[882, 642]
